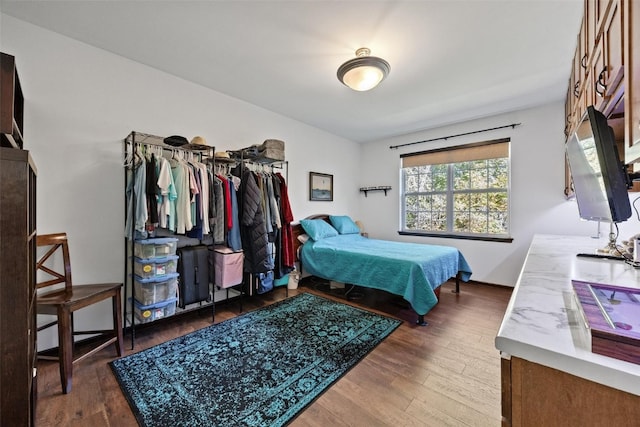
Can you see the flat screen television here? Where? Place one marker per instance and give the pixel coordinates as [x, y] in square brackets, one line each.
[599, 177]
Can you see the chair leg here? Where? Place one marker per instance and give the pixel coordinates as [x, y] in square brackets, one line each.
[65, 348]
[117, 322]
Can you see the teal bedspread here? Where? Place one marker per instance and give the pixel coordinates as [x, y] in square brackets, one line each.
[410, 270]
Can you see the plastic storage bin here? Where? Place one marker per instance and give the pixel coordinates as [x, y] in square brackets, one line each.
[160, 247]
[155, 289]
[228, 267]
[155, 267]
[151, 312]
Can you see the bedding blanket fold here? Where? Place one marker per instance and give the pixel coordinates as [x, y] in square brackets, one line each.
[411, 270]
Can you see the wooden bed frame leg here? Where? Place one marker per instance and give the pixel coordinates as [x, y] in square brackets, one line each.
[421, 320]
[457, 291]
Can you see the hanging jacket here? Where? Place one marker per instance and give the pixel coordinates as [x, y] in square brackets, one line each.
[151, 189]
[218, 223]
[288, 252]
[257, 258]
[234, 241]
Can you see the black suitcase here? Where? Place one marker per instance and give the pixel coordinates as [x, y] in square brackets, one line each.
[193, 267]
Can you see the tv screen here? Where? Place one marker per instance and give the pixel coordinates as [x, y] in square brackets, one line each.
[598, 176]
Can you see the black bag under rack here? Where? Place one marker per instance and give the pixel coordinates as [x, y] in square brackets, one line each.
[193, 267]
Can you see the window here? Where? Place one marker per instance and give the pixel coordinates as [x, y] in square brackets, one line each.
[460, 191]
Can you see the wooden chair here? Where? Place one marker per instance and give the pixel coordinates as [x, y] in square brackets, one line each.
[63, 302]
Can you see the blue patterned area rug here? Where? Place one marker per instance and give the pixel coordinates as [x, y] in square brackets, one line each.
[261, 368]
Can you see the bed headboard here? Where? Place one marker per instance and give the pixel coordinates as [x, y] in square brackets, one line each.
[298, 230]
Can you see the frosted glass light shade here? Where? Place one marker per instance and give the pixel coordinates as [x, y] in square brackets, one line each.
[363, 78]
[364, 72]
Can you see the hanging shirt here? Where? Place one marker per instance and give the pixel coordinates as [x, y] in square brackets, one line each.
[204, 196]
[228, 217]
[194, 190]
[273, 204]
[136, 196]
[167, 196]
[196, 204]
[183, 203]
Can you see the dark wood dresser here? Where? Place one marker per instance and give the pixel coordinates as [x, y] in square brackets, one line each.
[18, 352]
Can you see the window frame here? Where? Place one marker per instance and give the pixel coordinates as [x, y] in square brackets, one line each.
[444, 153]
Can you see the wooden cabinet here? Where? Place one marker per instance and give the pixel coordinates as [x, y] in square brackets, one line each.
[17, 288]
[598, 68]
[589, 25]
[606, 73]
[632, 79]
[577, 81]
[607, 62]
[18, 351]
[11, 103]
[550, 375]
[536, 395]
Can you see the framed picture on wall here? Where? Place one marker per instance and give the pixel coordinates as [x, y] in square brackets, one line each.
[320, 187]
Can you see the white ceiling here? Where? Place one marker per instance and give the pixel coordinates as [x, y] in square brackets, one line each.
[450, 60]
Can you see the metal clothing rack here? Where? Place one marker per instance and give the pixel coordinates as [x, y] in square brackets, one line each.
[259, 164]
[150, 142]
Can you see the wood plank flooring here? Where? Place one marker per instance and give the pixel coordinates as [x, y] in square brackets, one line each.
[444, 374]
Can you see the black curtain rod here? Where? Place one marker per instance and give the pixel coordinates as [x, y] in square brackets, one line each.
[512, 125]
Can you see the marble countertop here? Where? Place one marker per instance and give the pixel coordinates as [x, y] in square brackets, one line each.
[542, 323]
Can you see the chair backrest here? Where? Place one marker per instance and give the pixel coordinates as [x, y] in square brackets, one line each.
[55, 274]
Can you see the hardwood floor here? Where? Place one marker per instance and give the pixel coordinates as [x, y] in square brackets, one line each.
[444, 374]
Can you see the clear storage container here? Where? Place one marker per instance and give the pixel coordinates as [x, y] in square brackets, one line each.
[155, 289]
[151, 312]
[160, 247]
[155, 267]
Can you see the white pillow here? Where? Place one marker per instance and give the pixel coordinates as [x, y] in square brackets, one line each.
[302, 238]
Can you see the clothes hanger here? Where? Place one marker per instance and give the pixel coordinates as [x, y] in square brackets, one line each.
[139, 155]
[128, 160]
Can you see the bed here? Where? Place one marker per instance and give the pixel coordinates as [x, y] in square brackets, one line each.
[334, 249]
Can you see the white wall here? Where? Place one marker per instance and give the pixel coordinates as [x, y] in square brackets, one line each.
[537, 183]
[81, 102]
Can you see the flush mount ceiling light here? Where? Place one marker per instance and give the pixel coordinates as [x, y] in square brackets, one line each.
[363, 72]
